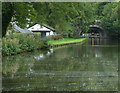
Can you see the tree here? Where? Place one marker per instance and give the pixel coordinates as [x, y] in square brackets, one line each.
[81, 16]
[65, 17]
[52, 14]
[110, 18]
[23, 13]
[7, 13]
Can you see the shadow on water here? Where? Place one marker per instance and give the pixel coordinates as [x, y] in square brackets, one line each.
[92, 66]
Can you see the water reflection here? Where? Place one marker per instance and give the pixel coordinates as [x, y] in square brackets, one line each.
[42, 56]
[71, 68]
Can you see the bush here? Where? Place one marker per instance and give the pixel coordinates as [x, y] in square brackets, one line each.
[27, 42]
[16, 43]
[57, 37]
[10, 46]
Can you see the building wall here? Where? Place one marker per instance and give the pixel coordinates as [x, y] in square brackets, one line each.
[51, 33]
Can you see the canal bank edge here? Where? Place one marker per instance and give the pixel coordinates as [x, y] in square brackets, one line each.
[51, 46]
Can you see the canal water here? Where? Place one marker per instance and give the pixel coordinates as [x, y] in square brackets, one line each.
[90, 66]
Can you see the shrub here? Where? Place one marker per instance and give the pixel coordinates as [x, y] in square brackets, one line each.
[21, 42]
[10, 46]
[27, 42]
[57, 37]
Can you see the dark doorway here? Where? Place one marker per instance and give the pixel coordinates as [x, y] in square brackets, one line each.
[43, 34]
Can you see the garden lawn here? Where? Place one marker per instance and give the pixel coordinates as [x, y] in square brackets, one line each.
[65, 41]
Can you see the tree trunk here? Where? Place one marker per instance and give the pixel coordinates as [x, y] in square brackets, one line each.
[77, 31]
[6, 17]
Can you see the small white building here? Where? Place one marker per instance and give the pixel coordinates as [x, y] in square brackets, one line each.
[44, 30]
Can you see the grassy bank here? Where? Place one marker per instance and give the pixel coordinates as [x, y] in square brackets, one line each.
[18, 43]
[65, 41]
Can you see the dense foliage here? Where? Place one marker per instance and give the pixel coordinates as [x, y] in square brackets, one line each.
[108, 13]
[110, 19]
[18, 43]
[67, 18]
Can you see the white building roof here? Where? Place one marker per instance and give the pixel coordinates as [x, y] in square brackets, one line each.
[38, 27]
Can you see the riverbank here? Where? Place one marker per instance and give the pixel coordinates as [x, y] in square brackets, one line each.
[20, 43]
[65, 41]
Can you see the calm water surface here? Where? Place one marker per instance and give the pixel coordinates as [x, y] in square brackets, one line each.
[91, 66]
